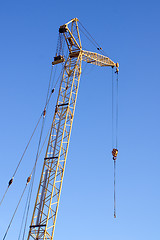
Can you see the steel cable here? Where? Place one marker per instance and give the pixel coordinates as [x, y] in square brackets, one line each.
[114, 130]
[117, 110]
[94, 42]
[37, 157]
[15, 212]
[26, 206]
[30, 193]
[23, 216]
[21, 159]
[115, 189]
[46, 104]
[34, 168]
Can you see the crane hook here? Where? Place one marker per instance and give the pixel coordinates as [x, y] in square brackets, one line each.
[114, 153]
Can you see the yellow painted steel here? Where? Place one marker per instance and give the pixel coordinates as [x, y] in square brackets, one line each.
[48, 196]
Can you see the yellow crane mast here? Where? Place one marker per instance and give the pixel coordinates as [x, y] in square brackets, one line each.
[48, 196]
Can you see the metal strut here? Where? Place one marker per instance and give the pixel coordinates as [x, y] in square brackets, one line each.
[47, 202]
[48, 196]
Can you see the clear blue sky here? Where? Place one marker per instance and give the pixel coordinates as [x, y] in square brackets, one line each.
[129, 32]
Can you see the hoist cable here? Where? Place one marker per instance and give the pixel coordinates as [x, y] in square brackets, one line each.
[33, 173]
[28, 203]
[114, 129]
[114, 188]
[33, 170]
[116, 147]
[49, 84]
[14, 212]
[54, 77]
[23, 153]
[112, 108]
[40, 138]
[117, 109]
[46, 104]
[23, 217]
[84, 70]
[21, 159]
[26, 206]
[113, 135]
[31, 188]
[58, 78]
[89, 35]
[88, 38]
[94, 42]
[37, 156]
[62, 45]
[27, 146]
[4, 195]
[58, 42]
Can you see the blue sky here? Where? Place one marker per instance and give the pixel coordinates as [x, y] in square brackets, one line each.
[129, 32]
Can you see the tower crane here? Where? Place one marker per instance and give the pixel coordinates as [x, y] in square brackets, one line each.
[50, 186]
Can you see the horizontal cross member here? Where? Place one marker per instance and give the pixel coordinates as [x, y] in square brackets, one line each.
[33, 226]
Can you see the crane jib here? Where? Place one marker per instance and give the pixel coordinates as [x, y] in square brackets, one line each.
[48, 196]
